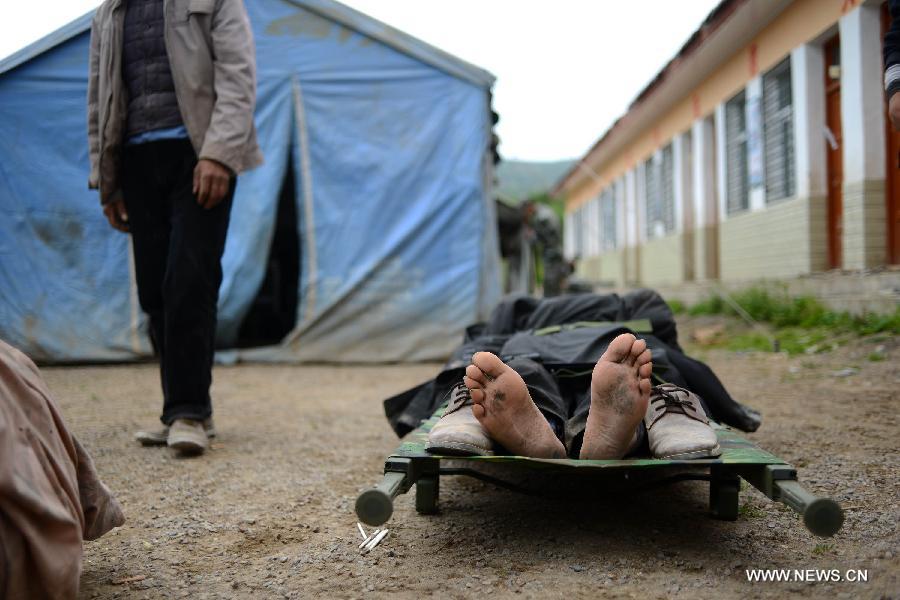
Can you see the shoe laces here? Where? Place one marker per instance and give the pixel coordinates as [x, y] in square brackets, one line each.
[459, 396]
[670, 401]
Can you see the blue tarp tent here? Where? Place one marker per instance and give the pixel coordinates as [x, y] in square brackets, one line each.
[387, 140]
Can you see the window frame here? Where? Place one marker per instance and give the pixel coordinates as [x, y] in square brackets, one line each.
[779, 133]
[659, 193]
[736, 147]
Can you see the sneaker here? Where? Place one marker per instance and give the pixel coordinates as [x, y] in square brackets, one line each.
[160, 436]
[188, 436]
[677, 427]
[458, 432]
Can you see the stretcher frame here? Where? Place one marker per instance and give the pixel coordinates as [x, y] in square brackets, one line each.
[410, 464]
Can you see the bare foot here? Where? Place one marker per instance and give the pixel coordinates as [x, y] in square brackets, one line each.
[620, 392]
[505, 409]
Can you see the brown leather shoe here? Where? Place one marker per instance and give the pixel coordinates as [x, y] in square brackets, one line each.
[458, 432]
[677, 427]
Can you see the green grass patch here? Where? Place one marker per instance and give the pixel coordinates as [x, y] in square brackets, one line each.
[748, 511]
[677, 307]
[821, 549]
[800, 323]
[875, 357]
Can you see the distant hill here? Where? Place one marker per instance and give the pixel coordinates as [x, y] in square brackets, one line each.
[519, 179]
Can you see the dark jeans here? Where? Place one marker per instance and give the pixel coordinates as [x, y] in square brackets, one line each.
[566, 413]
[178, 249]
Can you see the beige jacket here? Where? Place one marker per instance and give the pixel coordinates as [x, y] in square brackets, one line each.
[211, 52]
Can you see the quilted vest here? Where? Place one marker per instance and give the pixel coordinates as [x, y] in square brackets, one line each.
[145, 69]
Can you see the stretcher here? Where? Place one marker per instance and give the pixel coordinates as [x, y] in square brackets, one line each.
[410, 464]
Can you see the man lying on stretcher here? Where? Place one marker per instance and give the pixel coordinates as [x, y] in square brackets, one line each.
[519, 407]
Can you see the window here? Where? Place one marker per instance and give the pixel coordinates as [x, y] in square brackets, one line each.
[660, 192]
[778, 132]
[738, 198]
[588, 229]
[608, 218]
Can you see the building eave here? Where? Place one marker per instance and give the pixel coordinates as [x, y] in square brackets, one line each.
[726, 30]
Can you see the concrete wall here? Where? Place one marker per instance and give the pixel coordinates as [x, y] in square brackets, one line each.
[865, 227]
[608, 268]
[662, 261]
[589, 268]
[784, 240]
[706, 252]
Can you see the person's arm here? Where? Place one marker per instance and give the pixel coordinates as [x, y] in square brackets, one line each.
[892, 64]
[231, 124]
[114, 208]
[93, 105]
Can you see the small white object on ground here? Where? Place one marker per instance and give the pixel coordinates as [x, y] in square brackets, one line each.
[369, 538]
[375, 540]
[362, 531]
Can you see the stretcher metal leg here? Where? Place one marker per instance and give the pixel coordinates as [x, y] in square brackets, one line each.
[427, 492]
[375, 506]
[822, 516]
[724, 495]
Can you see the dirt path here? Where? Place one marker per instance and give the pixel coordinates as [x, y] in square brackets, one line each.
[268, 512]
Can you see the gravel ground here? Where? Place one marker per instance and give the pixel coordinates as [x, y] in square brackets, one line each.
[268, 513]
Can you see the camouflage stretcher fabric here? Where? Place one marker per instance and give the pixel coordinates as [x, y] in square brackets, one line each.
[50, 495]
[736, 450]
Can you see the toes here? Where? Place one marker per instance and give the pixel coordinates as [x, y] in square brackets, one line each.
[619, 349]
[644, 385]
[645, 370]
[637, 348]
[644, 357]
[478, 411]
[490, 364]
[477, 395]
[476, 375]
[471, 383]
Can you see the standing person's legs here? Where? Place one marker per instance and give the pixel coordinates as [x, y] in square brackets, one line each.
[149, 221]
[190, 289]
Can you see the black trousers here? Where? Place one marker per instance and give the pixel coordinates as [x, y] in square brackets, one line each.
[178, 249]
[565, 410]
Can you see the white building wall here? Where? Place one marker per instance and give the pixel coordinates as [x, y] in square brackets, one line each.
[721, 162]
[864, 237]
[808, 88]
[621, 208]
[640, 203]
[704, 170]
[568, 236]
[682, 182]
[862, 95]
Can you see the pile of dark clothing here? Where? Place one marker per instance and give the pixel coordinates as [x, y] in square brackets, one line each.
[567, 335]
